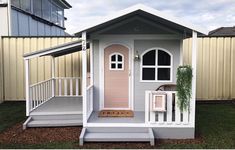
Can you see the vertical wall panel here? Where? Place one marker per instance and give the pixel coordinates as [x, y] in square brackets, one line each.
[215, 67]
[219, 69]
[19, 71]
[6, 71]
[232, 88]
[199, 83]
[212, 69]
[227, 68]
[1, 72]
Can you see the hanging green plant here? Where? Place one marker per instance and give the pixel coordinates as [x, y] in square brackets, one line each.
[184, 86]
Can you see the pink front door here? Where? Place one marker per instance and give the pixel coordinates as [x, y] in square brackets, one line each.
[116, 77]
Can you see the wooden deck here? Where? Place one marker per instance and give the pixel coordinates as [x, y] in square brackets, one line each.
[60, 105]
[56, 112]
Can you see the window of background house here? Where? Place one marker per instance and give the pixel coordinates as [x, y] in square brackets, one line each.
[16, 3]
[60, 14]
[46, 9]
[156, 65]
[54, 16]
[22, 4]
[37, 7]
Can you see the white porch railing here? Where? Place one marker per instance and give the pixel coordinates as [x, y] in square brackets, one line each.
[89, 102]
[39, 93]
[43, 91]
[67, 86]
[172, 117]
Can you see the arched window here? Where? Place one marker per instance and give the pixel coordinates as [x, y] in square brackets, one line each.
[156, 65]
[116, 61]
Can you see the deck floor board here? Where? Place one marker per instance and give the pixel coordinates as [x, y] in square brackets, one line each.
[60, 105]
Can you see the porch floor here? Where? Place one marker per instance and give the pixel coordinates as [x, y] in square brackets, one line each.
[60, 105]
[138, 118]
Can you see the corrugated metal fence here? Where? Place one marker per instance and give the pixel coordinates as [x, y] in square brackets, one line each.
[215, 68]
[12, 77]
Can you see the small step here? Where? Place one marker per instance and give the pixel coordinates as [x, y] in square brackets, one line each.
[54, 123]
[117, 134]
[122, 137]
[57, 117]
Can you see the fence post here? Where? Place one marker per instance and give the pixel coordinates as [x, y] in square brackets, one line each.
[194, 66]
[53, 76]
[27, 82]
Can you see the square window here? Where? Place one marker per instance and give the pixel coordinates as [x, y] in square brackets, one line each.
[148, 74]
[113, 66]
[119, 66]
[163, 74]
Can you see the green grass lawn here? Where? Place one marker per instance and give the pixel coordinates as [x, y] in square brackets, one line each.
[215, 123]
[11, 113]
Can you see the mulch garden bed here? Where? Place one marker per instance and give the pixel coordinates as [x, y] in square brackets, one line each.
[16, 135]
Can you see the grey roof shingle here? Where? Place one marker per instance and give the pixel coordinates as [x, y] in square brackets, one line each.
[223, 31]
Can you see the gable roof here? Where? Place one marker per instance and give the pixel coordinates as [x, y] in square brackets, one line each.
[144, 11]
[223, 31]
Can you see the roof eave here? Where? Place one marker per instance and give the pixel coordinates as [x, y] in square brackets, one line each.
[66, 4]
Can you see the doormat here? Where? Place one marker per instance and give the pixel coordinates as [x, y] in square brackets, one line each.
[116, 113]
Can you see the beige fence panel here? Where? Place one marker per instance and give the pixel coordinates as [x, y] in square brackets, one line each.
[215, 67]
[13, 50]
[1, 72]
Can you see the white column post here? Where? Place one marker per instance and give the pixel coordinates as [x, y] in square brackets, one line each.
[27, 82]
[181, 52]
[91, 73]
[53, 76]
[194, 67]
[84, 77]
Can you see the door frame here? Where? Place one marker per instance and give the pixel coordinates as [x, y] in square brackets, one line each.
[130, 76]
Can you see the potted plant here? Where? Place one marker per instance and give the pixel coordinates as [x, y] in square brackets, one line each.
[184, 86]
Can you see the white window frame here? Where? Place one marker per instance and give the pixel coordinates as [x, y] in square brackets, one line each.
[156, 66]
[116, 62]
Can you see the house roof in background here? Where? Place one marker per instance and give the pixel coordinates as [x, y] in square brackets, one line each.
[143, 10]
[223, 31]
[65, 3]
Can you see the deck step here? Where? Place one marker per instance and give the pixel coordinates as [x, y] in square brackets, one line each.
[57, 117]
[54, 123]
[116, 137]
[117, 134]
